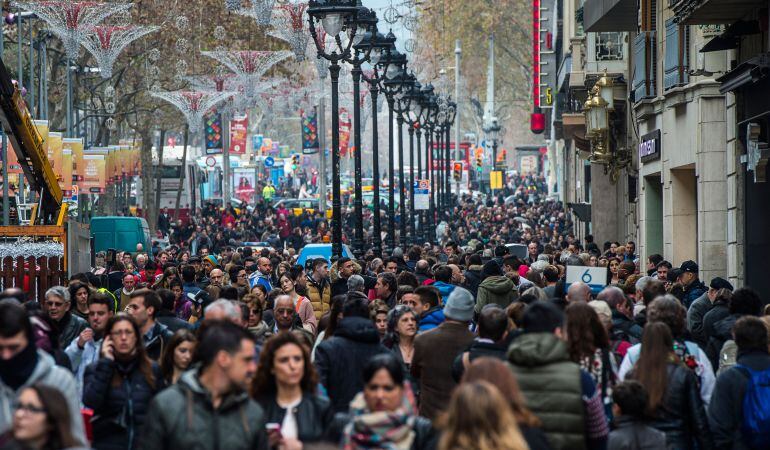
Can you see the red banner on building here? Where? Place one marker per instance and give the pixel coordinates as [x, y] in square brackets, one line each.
[238, 130]
[344, 131]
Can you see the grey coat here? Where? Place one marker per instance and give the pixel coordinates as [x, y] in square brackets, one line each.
[48, 373]
[183, 417]
[695, 315]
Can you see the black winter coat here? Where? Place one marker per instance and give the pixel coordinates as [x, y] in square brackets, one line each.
[313, 415]
[157, 342]
[726, 406]
[721, 332]
[477, 350]
[341, 358]
[118, 410]
[681, 415]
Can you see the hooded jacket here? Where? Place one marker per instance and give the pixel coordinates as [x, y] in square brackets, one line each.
[341, 358]
[473, 279]
[183, 417]
[444, 289]
[48, 373]
[551, 386]
[497, 289]
[431, 318]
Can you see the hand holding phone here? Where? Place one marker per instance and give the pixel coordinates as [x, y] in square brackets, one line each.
[274, 436]
[108, 349]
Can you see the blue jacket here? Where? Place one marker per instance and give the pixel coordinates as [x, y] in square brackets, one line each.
[259, 278]
[444, 289]
[693, 291]
[431, 319]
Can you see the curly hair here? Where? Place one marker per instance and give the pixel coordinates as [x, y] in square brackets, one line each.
[585, 332]
[264, 384]
[669, 310]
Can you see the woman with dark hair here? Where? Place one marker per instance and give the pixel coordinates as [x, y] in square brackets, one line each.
[285, 386]
[402, 329]
[478, 418]
[614, 264]
[302, 304]
[497, 373]
[79, 293]
[675, 405]
[589, 346]
[177, 356]
[384, 415]
[41, 421]
[120, 385]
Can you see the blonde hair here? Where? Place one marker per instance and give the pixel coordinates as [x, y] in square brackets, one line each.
[479, 418]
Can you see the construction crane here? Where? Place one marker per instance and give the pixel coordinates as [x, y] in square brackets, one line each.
[18, 124]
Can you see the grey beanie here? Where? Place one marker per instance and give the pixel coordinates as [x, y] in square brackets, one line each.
[459, 306]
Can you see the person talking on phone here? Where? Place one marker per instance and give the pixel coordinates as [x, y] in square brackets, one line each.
[120, 386]
[285, 387]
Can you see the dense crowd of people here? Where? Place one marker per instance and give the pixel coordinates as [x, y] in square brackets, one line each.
[456, 344]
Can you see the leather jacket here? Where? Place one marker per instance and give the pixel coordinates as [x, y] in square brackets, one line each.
[682, 416]
[313, 415]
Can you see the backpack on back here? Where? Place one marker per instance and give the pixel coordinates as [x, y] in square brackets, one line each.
[756, 408]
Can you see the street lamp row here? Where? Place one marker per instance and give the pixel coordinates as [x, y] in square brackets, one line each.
[352, 29]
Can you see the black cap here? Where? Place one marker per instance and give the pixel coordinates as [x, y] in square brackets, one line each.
[720, 283]
[689, 266]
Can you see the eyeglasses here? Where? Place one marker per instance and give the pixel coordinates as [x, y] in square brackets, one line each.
[284, 311]
[27, 408]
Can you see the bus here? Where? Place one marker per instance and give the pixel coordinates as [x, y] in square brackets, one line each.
[170, 176]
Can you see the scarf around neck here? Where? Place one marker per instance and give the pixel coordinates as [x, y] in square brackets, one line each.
[388, 430]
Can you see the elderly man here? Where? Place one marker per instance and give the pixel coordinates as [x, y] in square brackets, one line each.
[223, 310]
[123, 295]
[356, 284]
[578, 292]
[57, 305]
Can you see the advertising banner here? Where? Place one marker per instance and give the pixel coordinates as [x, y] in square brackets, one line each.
[256, 144]
[65, 183]
[243, 180]
[422, 195]
[42, 129]
[94, 172]
[310, 143]
[213, 126]
[55, 154]
[344, 131]
[75, 146]
[238, 130]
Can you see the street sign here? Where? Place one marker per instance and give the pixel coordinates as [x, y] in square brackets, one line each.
[496, 179]
[269, 161]
[211, 161]
[421, 195]
[594, 277]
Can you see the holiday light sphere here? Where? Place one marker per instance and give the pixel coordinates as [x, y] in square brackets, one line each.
[182, 23]
[219, 32]
[154, 55]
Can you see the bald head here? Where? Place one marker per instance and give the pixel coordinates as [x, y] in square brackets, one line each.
[613, 295]
[421, 266]
[578, 292]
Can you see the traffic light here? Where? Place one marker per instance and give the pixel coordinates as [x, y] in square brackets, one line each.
[294, 161]
[457, 171]
[479, 163]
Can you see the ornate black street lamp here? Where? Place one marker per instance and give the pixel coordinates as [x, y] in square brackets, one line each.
[330, 18]
[391, 64]
[401, 105]
[365, 21]
[411, 116]
[378, 47]
[429, 110]
[450, 119]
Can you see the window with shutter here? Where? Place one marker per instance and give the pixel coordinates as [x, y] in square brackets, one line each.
[676, 63]
[644, 65]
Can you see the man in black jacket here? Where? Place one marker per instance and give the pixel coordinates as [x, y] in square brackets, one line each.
[725, 410]
[341, 358]
[143, 306]
[493, 331]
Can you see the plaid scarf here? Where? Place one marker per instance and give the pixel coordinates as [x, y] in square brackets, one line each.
[381, 430]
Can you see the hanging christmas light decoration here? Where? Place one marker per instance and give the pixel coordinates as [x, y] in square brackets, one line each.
[249, 65]
[193, 104]
[219, 32]
[233, 5]
[105, 43]
[321, 64]
[289, 26]
[260, 10]
[71, 20]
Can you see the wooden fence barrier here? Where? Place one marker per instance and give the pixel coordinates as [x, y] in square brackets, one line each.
[33, 275]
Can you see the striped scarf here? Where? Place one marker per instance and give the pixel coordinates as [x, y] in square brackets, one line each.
[381, 430]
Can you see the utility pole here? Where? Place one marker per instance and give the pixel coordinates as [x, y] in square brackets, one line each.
[322, 144]
[458, 53]
[226, 160]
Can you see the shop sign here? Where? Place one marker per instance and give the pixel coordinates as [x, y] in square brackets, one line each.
[649, 146]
